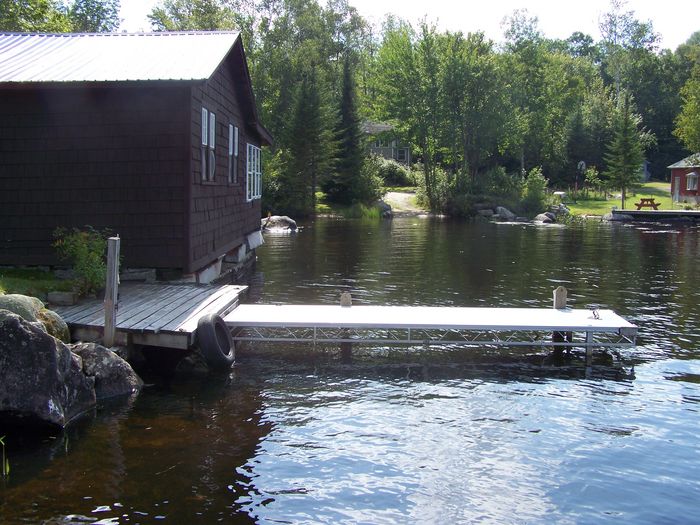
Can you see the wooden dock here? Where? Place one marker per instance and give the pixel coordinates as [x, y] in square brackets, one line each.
[152, 314]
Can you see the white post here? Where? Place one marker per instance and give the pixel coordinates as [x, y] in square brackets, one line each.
[559, 298]
[111, 291]
[559, 303]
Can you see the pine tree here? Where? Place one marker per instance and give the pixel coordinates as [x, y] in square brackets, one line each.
[625, 153]
[345, 186]
[310, 147]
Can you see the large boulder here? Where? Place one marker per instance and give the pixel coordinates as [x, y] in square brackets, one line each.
[385, 210]
[505, 213]
[278, 222]
[41, 380]
[543, 218]
[112, 375]
[32, 309]
[26, 307]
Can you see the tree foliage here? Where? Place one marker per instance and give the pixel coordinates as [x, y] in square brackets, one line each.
[56, 16]
[688, 121]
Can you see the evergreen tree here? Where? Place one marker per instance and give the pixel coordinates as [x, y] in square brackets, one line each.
[625, 153]
[308, 156]
[343, 187]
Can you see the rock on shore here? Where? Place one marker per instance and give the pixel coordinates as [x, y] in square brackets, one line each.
[44, 382]
[41, 380]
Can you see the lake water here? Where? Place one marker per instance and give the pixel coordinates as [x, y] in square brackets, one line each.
[293, 436]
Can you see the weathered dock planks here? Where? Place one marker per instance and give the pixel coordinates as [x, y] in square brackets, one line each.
[153, 314]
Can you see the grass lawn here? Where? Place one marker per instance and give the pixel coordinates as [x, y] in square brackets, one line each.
[34, 282]
[660, 191]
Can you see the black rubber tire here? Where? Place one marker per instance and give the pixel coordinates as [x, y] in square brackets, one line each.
[215, 342]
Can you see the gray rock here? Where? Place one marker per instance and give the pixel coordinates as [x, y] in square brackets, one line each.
[619, 217]
[278, 222]
[62, 298]
[550, 215]
[505, 213]
[41, 380]
[384, 209]
[544, 218]
[112, 375]
[26, 307]
[138, 274]
[54, 325]
[487, 212]
[32, 309]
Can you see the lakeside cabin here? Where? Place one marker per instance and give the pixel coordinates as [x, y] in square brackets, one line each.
[154, 136]
[386, 143]
[684, 180]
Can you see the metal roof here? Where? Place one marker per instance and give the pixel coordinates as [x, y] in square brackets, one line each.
[112, 57]
[693, 161]
[372, 128]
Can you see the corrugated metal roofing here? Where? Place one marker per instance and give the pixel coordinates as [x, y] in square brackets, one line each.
[693, 161]
[112, 57]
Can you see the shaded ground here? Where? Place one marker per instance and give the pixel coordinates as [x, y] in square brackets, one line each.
[403, 203]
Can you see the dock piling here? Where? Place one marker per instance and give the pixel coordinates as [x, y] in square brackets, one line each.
[345, 348]
[111, 291]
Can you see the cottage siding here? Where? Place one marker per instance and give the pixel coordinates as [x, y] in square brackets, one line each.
[219, 216]
[112, 157]
[680, 175]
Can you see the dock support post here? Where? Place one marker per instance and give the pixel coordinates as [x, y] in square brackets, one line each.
[345, 348]
[111, 291]
[589, 349]
[559, 297]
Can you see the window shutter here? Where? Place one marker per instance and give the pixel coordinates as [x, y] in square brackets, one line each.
[212, 130]
[205, 126]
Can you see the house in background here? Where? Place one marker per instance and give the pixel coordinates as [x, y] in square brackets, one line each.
[684, 180]
[154, 136]
[385, 142]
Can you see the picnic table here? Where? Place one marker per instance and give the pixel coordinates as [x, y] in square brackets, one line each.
[647, 203]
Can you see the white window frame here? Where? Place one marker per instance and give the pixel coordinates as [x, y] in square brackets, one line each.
[253, 180]
[208, 147]
[232, 154]
[691, 182]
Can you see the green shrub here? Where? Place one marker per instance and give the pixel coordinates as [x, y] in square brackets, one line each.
[85, 250]
[392, 173]
[369, 184]
[442, 190]
[534, 192]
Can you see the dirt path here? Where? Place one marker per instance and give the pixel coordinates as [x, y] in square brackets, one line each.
[403, 203]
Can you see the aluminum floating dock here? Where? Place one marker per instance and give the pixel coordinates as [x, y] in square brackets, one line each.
[414, 325]
[657, 215]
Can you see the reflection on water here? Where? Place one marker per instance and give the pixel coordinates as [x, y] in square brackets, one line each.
[409, 437]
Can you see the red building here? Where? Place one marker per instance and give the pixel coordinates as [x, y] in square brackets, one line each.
[152, 135]
[684, 180]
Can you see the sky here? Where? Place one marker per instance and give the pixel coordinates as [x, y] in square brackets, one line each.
[675, 20]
